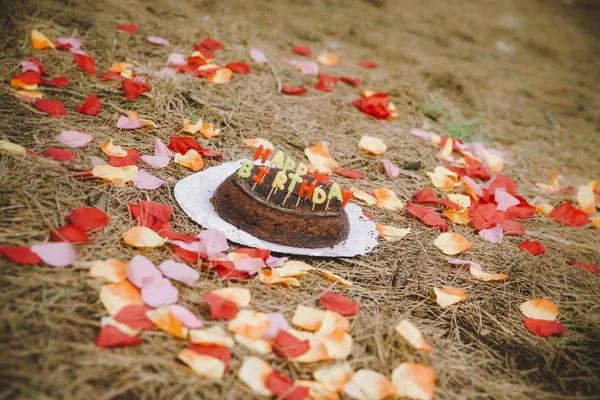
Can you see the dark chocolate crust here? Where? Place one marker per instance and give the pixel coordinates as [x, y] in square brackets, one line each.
[287, 224]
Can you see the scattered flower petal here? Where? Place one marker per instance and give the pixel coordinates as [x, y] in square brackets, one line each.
[369, 385]
[141, 236]
[338, 303]
[391, 233]
[415, 381]
[74, 138]
[451, 243]
[449, 296]
[387, 199]
[533, 247]
[372, 145]
[165, 320]
[412, 335]
[543, 327]
[55, 254]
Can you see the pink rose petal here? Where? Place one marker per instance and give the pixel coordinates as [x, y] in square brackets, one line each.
[179, 272]
[160, 149]
[75, 51]
[390, 169]
[58, 254]
[74, 43]
[193, 246]
[258, 56]
[505, 200]
[126, 123]
[146, 180]
[27, 65]
[276, 261]
[96, 161]
[139, 268]
[156, 161]
[473, 185]
[309, 68]
[185, 316]
[165, 73]
[74, 138]
[249, 265]
[158, 40]
[463, 262]
[277, 322]
[176, 60]
[494, 235]
[420, 133]
[212, 243]
[158, 292]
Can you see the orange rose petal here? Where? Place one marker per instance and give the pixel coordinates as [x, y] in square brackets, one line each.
[335, 376]
[202, 364]
[412, 335]
[308, 318]
[12, 148]
[444, 178]
[294, 268]
[209, 131]
[120, 67]
[254, 373]
[334, 278]
[257, 142]
[117, 175]
[240, 296]
[372, 145]
[319, 156]
[115, 296]
[543, 208]
[165, 320]
[40, 41]
[249, 323]
[141, 236]
[369, 385]
[552, 187]
[333, 335]
[390, 233]
[28, 93]
[594, 184]
[387, 199]
[415, 381]
[586, 199]
[595, 221]
[15, 82]
[539, 309]
[494, 161]
[458, 217]
[222, 75]
[446, 152]
[486, 277]
[328, 59]
[318, 390]
[261, 346]
[317, 351]
[271, 277]
[110, 149]
[112, 270]
[451, 243]
[214, 335]
[191, 160]
[448, 296]
[189, 128]
[461, 200]
[363, 196]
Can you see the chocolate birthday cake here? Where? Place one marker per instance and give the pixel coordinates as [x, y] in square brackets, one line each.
[284, 207]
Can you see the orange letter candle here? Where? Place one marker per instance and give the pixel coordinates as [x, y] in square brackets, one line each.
[259, 178]
[262, 152]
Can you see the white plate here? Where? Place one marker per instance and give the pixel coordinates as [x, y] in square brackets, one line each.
[194, 193]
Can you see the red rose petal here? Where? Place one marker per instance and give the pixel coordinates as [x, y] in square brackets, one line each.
[54, 108]
[131, 158]
[588, 267]
[135, 317]
[130, 28]
[543, 327]
[284, 388]
[226, 270]
[219, 352]
[91, 106]
[502, 181]
[568, 215]
[427, 216]
[323, 86]
[238, 67]
[59, 81]
[289, 346]
[511, 227]
[350, 173]
[69, 233]
[368, 64]
[134, 89]
[220, 308]
[20, 255]
[59, 154]
[255, 253]
[534, 248]
[181, 144]
[350, 81]
[186, 255]
[427, 196]
[152, 215]
[301, 50]
[293, 90]
[211, 44]
[375, 105]
[39, 65]
[88, 219]
[109, 336]
[29, 77]
[184, 237]
[110, 76]
[86, 62]
[339, 303]
[484, 216]
[209, 153]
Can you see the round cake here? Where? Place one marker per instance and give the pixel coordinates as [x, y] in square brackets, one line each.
[279, 216]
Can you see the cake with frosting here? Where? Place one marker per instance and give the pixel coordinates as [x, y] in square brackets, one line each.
[284, 204]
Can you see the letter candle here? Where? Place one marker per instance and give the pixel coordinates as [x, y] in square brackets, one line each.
[304, 188]
[262, 152]
[318, 197]
[277, 159]
[334, 192]
[294, 179]
[245, 170]
[278, 183]
[259, 178]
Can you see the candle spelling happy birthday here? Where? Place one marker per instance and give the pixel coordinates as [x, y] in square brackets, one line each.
[292, 179]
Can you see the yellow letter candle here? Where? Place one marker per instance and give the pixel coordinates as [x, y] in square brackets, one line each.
[278, 159]
[319, 196]
[288, 165]
[302, 169]
[246, 169]
[279, 181]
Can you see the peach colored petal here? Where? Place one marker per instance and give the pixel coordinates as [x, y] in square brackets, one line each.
[222, 75]
[369, 385]
[202, 364]
[594, 184]
[254, 373]
[317, 390]
[334, 376]
[261, 346]
[391, 233]
[458, 217]
[319, 155]
[28, 94]
[451, 243]
[117, 175]
[126, 329]
[12, 148]
[141, 236]
[120, 67]
[333, 335]
[317, 351]
[15, 82]
[363, 196]
[115, 296]
[214, 335]
[257, 142]
[294, 268]
[539, 309]
[40, 41]
[387, 199]
[240, 296]
[486, 277]
[448, 296]
[334, 278]
[110, 149]
[328, 59]
[412, 335]
[112, 270]
[444, 178]
[595, 219]
[271, 277]
[586, 199]
[372, 145]
[493, 161]
[446, 152]
[461, 200]
[249, 323]
[308, 318]
[552, 187]
[209, 131]
[415, 381]
[191, 160]
[189, 128]
[163, 318]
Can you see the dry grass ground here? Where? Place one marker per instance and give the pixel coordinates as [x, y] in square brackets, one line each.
[541, 105]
